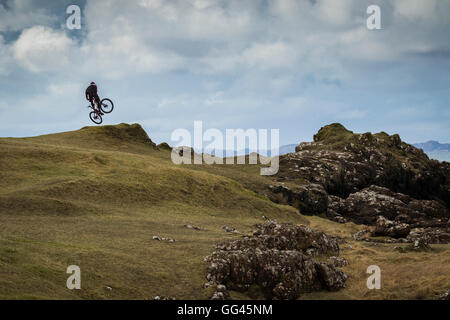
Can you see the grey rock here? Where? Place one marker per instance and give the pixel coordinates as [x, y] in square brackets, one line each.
[443, 296]
[279, 259]
[385, 227]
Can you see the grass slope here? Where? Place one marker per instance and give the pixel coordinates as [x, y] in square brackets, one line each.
[95, 197]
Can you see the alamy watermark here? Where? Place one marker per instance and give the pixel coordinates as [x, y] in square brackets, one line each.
[374, 280]
[74, 280]
[212, 147]
[74, 20]
[373, 22]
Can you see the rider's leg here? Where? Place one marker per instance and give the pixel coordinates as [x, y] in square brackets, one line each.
[97, 101]
[91, 100]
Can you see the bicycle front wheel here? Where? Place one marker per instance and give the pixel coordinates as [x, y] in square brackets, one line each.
[106, 105]
[95, 117]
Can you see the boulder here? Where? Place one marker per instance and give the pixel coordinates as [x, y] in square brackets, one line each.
[338, 261]
[385, 227]
[309, 199]
[279, 259]
[430, 235]
[443, 296]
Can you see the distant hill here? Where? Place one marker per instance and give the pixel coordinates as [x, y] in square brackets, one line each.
[432, 146]
[289, 148]
[285, 149]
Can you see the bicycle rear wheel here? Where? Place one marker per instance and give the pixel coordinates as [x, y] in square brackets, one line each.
[95, 117]
[106, 105]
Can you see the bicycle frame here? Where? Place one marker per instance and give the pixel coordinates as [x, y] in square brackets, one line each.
[94, 105]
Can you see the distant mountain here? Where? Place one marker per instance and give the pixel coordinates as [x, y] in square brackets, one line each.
[289, 148]
[432, 146]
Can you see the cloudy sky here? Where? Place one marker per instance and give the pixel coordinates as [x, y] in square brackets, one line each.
[287, 64]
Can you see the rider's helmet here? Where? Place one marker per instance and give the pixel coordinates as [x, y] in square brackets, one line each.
[92, 82]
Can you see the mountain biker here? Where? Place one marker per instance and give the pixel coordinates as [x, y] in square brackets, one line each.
[91, 95]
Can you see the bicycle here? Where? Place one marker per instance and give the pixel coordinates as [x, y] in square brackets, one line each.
[106, 106]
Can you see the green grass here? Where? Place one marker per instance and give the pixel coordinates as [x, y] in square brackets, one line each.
[96, 197]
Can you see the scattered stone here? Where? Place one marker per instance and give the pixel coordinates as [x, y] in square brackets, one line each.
[163, 239]
[163, 298]
[443, 296]
[361, 235]
[221, 288]
[421, 244]
[229, 229]
[220, 295]
[194, 227]
[338, 261]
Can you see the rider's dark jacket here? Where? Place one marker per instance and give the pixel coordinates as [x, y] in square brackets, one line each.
[91, 92]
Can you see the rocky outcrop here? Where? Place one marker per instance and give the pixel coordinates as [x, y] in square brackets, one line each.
[393, 214]
[362, 177]
[344, 162]
[309, 199]
[430, 235]
[279, 259]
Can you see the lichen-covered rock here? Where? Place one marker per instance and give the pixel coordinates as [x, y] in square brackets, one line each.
[367, 205]
[385, 227]
[421, 244]
[355, 177]
[345, 162]
[431, 235]
[443, 296]
[332, 277]
[338, 261]
[286, 236]
[309, 199]
[279, 258]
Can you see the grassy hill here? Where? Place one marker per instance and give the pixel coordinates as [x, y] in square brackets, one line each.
[95, 198]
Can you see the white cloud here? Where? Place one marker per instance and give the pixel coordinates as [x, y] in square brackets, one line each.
[240, 58]
[270, 56]
[5, 57]
[41, 48]
[415, 9]
[18, 14]
[335, 12]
